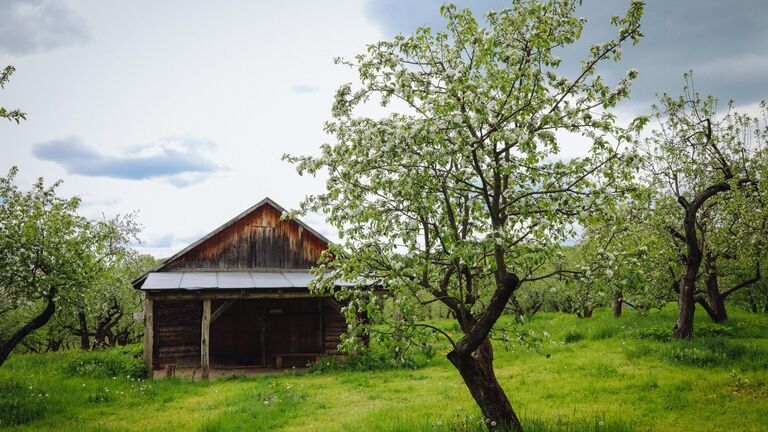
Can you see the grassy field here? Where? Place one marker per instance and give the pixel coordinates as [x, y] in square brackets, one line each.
[601, 375]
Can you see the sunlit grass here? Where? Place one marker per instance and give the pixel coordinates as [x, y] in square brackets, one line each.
[601, 375]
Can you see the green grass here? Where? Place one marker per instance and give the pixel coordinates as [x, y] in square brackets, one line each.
[596, 374]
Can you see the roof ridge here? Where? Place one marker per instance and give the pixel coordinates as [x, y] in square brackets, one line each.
[251, 209]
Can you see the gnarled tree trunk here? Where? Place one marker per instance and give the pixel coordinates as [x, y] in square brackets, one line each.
[7, 346]
[716, 308]
[477, 371]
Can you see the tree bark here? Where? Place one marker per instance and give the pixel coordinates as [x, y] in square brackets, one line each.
[85, 342]
[618, 302]
[477, 371]
[40, 320]
[716, 300]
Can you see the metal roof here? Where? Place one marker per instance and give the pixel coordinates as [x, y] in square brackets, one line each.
[191, 280]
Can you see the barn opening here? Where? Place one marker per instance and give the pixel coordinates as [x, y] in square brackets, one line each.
[239, 297]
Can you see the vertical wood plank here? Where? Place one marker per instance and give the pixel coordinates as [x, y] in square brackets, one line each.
[320, 327]
[204, 338]
[263, 337]
[149, 334]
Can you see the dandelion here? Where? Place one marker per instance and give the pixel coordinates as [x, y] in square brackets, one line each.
[493, 424]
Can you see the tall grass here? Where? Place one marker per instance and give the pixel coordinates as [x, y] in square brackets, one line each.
[596, 374]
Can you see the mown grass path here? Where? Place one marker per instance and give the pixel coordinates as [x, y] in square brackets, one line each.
[611, 375]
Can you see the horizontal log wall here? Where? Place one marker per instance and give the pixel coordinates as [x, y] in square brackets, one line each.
[177, 333]
[177, 329]
[334, 325]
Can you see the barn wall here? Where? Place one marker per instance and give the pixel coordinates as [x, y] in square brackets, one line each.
[177, 333]
[259, 239]
[304, 325]
[334, 325]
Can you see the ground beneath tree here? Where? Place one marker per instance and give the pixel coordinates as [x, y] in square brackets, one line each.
[602, 375]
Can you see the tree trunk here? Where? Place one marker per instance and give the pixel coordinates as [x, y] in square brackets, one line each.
[477, 371]
[716, 300]
[7, 346]
[618, 302]
[686, 300]
[85, 343]
[685, 310]
[587, 312]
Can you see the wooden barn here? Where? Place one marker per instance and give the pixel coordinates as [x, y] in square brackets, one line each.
[238, 298]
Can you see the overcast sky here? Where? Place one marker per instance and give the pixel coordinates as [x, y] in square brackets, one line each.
[180, 110]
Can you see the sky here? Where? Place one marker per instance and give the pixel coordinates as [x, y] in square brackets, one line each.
[181, 110]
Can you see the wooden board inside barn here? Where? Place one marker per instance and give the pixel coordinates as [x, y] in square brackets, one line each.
[238, 298]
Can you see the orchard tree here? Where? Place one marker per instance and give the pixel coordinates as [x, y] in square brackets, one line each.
[15, 114]
[458, 195]
[734, 231]
[101, 313]
[48, 253]
[624, 260]
[701, 161]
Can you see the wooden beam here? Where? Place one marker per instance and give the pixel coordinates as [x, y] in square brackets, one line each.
[149, 335]
[233, 295]
[220, 310]
[204, 339]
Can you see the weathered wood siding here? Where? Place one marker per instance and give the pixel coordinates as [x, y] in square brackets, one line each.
[334, 325]
[258, 240]
[177, 333]
[248, 332]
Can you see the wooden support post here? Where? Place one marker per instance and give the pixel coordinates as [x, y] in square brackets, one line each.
[149, 335]
[204, 339]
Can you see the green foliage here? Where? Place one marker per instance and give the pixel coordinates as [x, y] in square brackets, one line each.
[20, 404]
[704, 351]
[52, 258]
[458, 195]
[577, 387]
[107, 363]
[15, 114]
[573, 336]
[372, 360]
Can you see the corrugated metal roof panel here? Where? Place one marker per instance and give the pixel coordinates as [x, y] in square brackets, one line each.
[231, 280]
[199, 280]
[298, 280]
[162, 281]
[234, 280]
[270, 280]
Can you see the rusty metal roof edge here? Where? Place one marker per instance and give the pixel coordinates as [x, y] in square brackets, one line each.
[266, 200]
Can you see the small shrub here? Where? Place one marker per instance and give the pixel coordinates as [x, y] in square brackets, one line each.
[694, 356]
[116, 362]
[712, 331]
[382, 354]
[99, 398]
[573, 336]
[661, 334]
[20, 404]
[604, 333]
[743, 386]
[368, 361]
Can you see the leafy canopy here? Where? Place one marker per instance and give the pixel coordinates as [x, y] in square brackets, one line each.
[458, 194]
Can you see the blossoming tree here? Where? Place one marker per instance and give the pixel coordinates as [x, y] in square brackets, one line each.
[710, 173]
[48, 253]
[458, 195]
